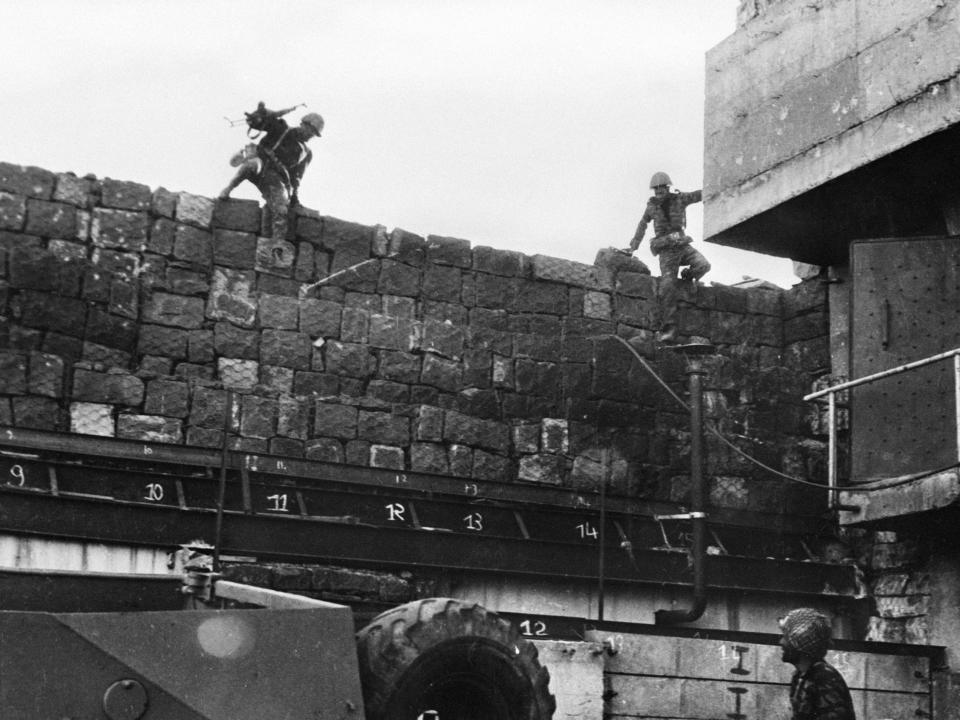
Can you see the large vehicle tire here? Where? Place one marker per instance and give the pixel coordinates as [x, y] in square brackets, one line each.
[452, 658]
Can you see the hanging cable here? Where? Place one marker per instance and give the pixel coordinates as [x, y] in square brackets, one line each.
[820, 486]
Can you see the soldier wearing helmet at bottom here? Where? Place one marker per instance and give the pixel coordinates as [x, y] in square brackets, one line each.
[817, 689]
[672, 246]
[281, 158]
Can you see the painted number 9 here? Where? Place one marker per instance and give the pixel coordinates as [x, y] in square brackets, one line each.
[19, 477]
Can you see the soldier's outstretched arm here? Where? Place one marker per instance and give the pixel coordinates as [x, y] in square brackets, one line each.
[688, 198]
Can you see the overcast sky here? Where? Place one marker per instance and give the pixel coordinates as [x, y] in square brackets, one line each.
[531, 125]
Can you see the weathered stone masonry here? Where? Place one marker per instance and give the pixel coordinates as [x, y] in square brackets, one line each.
[134, 313]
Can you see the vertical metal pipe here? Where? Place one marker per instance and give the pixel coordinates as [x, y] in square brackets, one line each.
[832, 451]
[601, 560]
[698, 551]
[222, 490]
[956, 399]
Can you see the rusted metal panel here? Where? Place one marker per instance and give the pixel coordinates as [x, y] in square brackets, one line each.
[906, 306]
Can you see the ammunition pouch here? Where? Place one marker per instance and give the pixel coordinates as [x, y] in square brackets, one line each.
[671, 240]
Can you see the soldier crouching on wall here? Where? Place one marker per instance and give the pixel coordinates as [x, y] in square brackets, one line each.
[277, 163]
[668, 212]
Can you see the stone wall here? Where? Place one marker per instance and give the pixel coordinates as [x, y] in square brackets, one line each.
[162, 316]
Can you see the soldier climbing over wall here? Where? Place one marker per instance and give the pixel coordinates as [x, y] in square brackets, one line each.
[668, 212]
[276, 164]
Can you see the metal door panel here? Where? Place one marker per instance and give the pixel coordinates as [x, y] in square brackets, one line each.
[905, 306]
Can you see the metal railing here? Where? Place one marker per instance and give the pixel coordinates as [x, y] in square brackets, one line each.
[831, 393]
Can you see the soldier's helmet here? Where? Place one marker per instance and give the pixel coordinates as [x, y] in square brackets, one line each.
[806, 631]
[660, 178]
[313, 120]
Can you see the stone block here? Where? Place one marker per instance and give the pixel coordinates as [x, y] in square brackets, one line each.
[337, 233]
[554, 436]
[241, 215]
[116, 387]
[279, 312]
[429, 458]
[349, 359]
[51, 219]
[66, 316]
[539, 378]
[275, 257]
[386, 456]
[441, 282]
[150, 428]
[569, 272]
[407, 247]
[119, 229]
[125, 195]
[13, 373]
[158, 340]
[502, 370]
[13, 211]
[232, 297]
[508, 263]
[305, 269]
[315, 383]
[448, 251]
[231, 341]
[401, 367]
[442, 338]
[293, 417]
[494, 291]
[207, 408]
[173, 310]
[164, 203]
[320, 318]
[168, 398]
[398, 279]
[487, 466]
[124, 299]
[597, 305]
[46, 375]
[276, 380]
[106, 356]
[324, 449]
[110, 330]
[286, 348]
[288, 447]
[542, 469]
[475, 432]
[75, 190]
[526, 437]
[235, 249]
[460, 459]
[258, 417]
[808, 326]
[204, 437]
[193, 245]
[36, 413]
[428, 425]
[25, 180]
[336, 421]
[236, 374]
[388, 391]
[194, 210]
[392, 333]
[441, 373]
[383, 428]
[92, 419]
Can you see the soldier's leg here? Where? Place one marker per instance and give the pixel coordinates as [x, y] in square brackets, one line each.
[246, 171]
[698, 265]
[275, 195]
[669, 292]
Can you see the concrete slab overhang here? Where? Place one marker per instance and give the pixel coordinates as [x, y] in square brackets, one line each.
[891, 503]
[830, 121]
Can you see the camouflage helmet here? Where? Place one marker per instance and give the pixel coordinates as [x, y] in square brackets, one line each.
[806, 631]
[660, 178]
[313, 120]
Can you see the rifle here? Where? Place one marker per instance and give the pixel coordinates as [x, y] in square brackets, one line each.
[257, 119]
